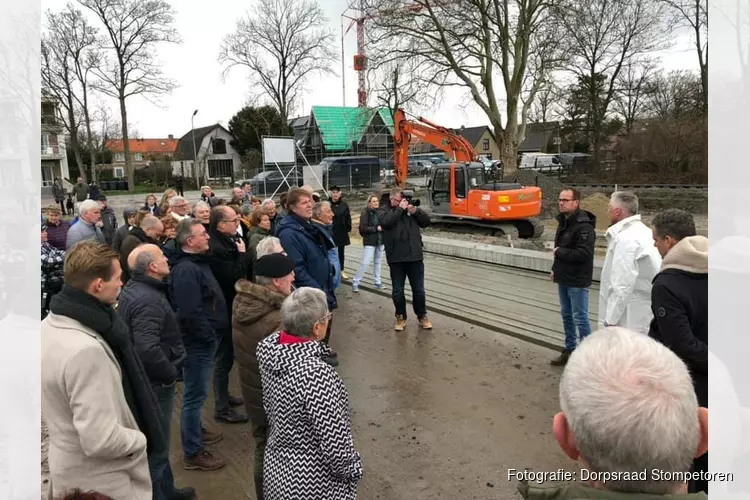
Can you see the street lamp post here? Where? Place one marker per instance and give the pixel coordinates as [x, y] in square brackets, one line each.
[195, 155]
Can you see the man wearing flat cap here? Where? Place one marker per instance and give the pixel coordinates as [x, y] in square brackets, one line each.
[256, 314]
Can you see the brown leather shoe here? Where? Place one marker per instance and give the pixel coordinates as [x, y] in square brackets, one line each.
[425, 323]
[204, 460]
[400, 323]
[211, 437]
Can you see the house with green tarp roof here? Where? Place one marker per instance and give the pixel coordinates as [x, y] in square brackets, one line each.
[338, 130]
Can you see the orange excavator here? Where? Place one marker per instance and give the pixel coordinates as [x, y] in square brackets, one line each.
[459, 195]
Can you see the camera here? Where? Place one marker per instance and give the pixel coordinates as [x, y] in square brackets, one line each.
[409, 196]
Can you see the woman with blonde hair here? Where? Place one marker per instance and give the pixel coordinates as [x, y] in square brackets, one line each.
[372, 239]
[164, 203]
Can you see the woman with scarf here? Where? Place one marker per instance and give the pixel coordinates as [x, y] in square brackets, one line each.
[97, 401]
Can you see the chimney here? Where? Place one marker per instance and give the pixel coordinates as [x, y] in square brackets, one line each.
[170, 136]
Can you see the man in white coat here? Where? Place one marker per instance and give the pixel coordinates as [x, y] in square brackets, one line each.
[89, 387]
[631, 263]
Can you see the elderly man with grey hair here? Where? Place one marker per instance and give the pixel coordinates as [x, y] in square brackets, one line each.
[629, 267]
[179, 208]
[629, 417]
[268, 206]
[268, 245]
[145, 308]
[88, 226]
[310, 446]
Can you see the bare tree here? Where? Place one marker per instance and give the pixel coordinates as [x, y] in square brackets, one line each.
[693, 14]
[395, 88]
[133, 29]
[605, 36]
[631, 89]
[283, 43]
[58, 82]
[70, 54]
[495, 49]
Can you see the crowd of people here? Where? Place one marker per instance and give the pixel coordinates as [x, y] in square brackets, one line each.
[179, 295]
[176, 295]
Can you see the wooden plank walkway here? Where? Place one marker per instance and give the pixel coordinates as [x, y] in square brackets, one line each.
[511, 301]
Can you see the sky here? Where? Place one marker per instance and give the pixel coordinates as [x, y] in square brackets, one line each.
[193, 64]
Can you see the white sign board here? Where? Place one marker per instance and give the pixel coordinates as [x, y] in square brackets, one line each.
[279, 150]
[312, 176]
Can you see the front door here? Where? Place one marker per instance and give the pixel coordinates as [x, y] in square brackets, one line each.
[47, 176]
[460, 191]
[440, 190]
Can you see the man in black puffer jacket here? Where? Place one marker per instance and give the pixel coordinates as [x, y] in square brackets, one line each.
[573, 268]
[201, 313]
[403, 250]
[145, 308]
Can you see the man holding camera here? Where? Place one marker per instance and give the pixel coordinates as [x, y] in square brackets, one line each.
[402, 238]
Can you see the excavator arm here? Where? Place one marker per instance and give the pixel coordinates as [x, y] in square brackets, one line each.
[458, 148]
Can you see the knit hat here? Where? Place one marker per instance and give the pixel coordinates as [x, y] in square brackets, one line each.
[273, 265]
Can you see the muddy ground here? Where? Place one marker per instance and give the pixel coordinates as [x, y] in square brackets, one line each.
[440, 414]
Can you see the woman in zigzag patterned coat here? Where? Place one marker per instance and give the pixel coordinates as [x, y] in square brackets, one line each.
[310, 452]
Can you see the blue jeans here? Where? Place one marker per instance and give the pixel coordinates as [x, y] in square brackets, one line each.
[224, 362]
[574, 308]
[158, 464]
[368, 253]
[199, 363]
[415, 272]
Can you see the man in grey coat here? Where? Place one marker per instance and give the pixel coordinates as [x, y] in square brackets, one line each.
[88, 226]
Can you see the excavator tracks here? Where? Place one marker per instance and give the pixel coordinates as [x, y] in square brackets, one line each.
[523, 229]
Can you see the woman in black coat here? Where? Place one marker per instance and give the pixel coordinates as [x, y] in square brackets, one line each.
[372, 239]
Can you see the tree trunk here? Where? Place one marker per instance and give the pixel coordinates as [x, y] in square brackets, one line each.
[75, 146]
[509, 148]
[89, 143]
[126, 145]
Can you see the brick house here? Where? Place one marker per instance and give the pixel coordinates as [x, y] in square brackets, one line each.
[142, 152]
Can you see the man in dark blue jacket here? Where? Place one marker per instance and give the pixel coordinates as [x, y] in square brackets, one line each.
[201, 311]
[307, 244]
[145, 308]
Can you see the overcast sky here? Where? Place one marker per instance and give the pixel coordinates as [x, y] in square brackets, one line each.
[194, 65]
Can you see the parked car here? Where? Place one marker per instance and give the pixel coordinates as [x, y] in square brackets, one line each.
[271, 181]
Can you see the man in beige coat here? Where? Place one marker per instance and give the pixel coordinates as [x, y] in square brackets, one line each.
[94, 439]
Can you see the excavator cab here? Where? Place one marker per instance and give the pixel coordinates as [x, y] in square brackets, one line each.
[450, 183]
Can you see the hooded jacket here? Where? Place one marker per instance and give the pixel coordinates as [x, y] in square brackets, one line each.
[679, 302]
[256, 314]
[197, 298]
[310, 446]
[630, 266]
[109, 224]
[369, 221]
[575, 238]
[307, 244]
[401, 234]
[333, 252]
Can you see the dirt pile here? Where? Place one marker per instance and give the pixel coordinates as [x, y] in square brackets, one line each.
[550, 188]
[597, 204]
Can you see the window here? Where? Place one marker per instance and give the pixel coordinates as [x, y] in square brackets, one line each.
[120, 157]
[476, 176]
[219, 147]
[219, 168]
[460, 187]
[138, 157]
[486, 144]
[119, 172]
[441, 180]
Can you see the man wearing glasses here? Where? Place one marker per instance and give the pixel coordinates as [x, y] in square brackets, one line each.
[229, 263]
[201, 314]
[573, 268]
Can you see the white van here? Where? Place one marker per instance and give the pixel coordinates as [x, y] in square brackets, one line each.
[542, 162]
